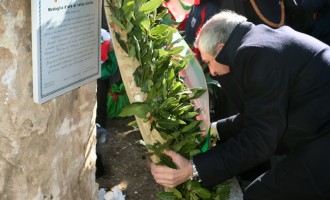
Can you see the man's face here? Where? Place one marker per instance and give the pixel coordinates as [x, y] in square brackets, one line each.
[216, 68]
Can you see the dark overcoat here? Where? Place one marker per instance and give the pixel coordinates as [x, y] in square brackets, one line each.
[279, 80]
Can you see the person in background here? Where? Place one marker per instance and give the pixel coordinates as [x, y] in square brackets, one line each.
[202, 11]
[320, 13]
[199, 14]
[103, 86]
[279, 79]
[109, 75]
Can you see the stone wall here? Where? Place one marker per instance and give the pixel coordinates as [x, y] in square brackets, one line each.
[47, 151]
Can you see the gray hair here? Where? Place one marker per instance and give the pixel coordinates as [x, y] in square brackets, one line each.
[217, 30]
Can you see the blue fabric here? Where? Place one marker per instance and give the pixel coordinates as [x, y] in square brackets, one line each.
[195, 18]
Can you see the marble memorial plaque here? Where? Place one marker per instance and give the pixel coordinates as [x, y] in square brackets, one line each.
[65, 45]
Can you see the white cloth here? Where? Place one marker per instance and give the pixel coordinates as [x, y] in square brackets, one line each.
[115, 194]
[105, 35]
[214, 130]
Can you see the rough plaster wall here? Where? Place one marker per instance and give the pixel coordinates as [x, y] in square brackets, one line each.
[46, 151]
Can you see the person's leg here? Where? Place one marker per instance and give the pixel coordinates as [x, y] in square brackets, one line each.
[101, 96]
[103, 86]
[303, 175]
[99, 166]
[101, 122]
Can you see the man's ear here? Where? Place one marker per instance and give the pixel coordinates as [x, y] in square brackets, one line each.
[220, 46]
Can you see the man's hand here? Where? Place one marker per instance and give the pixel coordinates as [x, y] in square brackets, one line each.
[169, 177]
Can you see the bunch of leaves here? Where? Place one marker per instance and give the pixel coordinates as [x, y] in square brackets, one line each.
[193, 190]
[168, 107]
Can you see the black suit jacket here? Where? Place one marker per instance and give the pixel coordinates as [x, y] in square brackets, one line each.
[279, 80]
